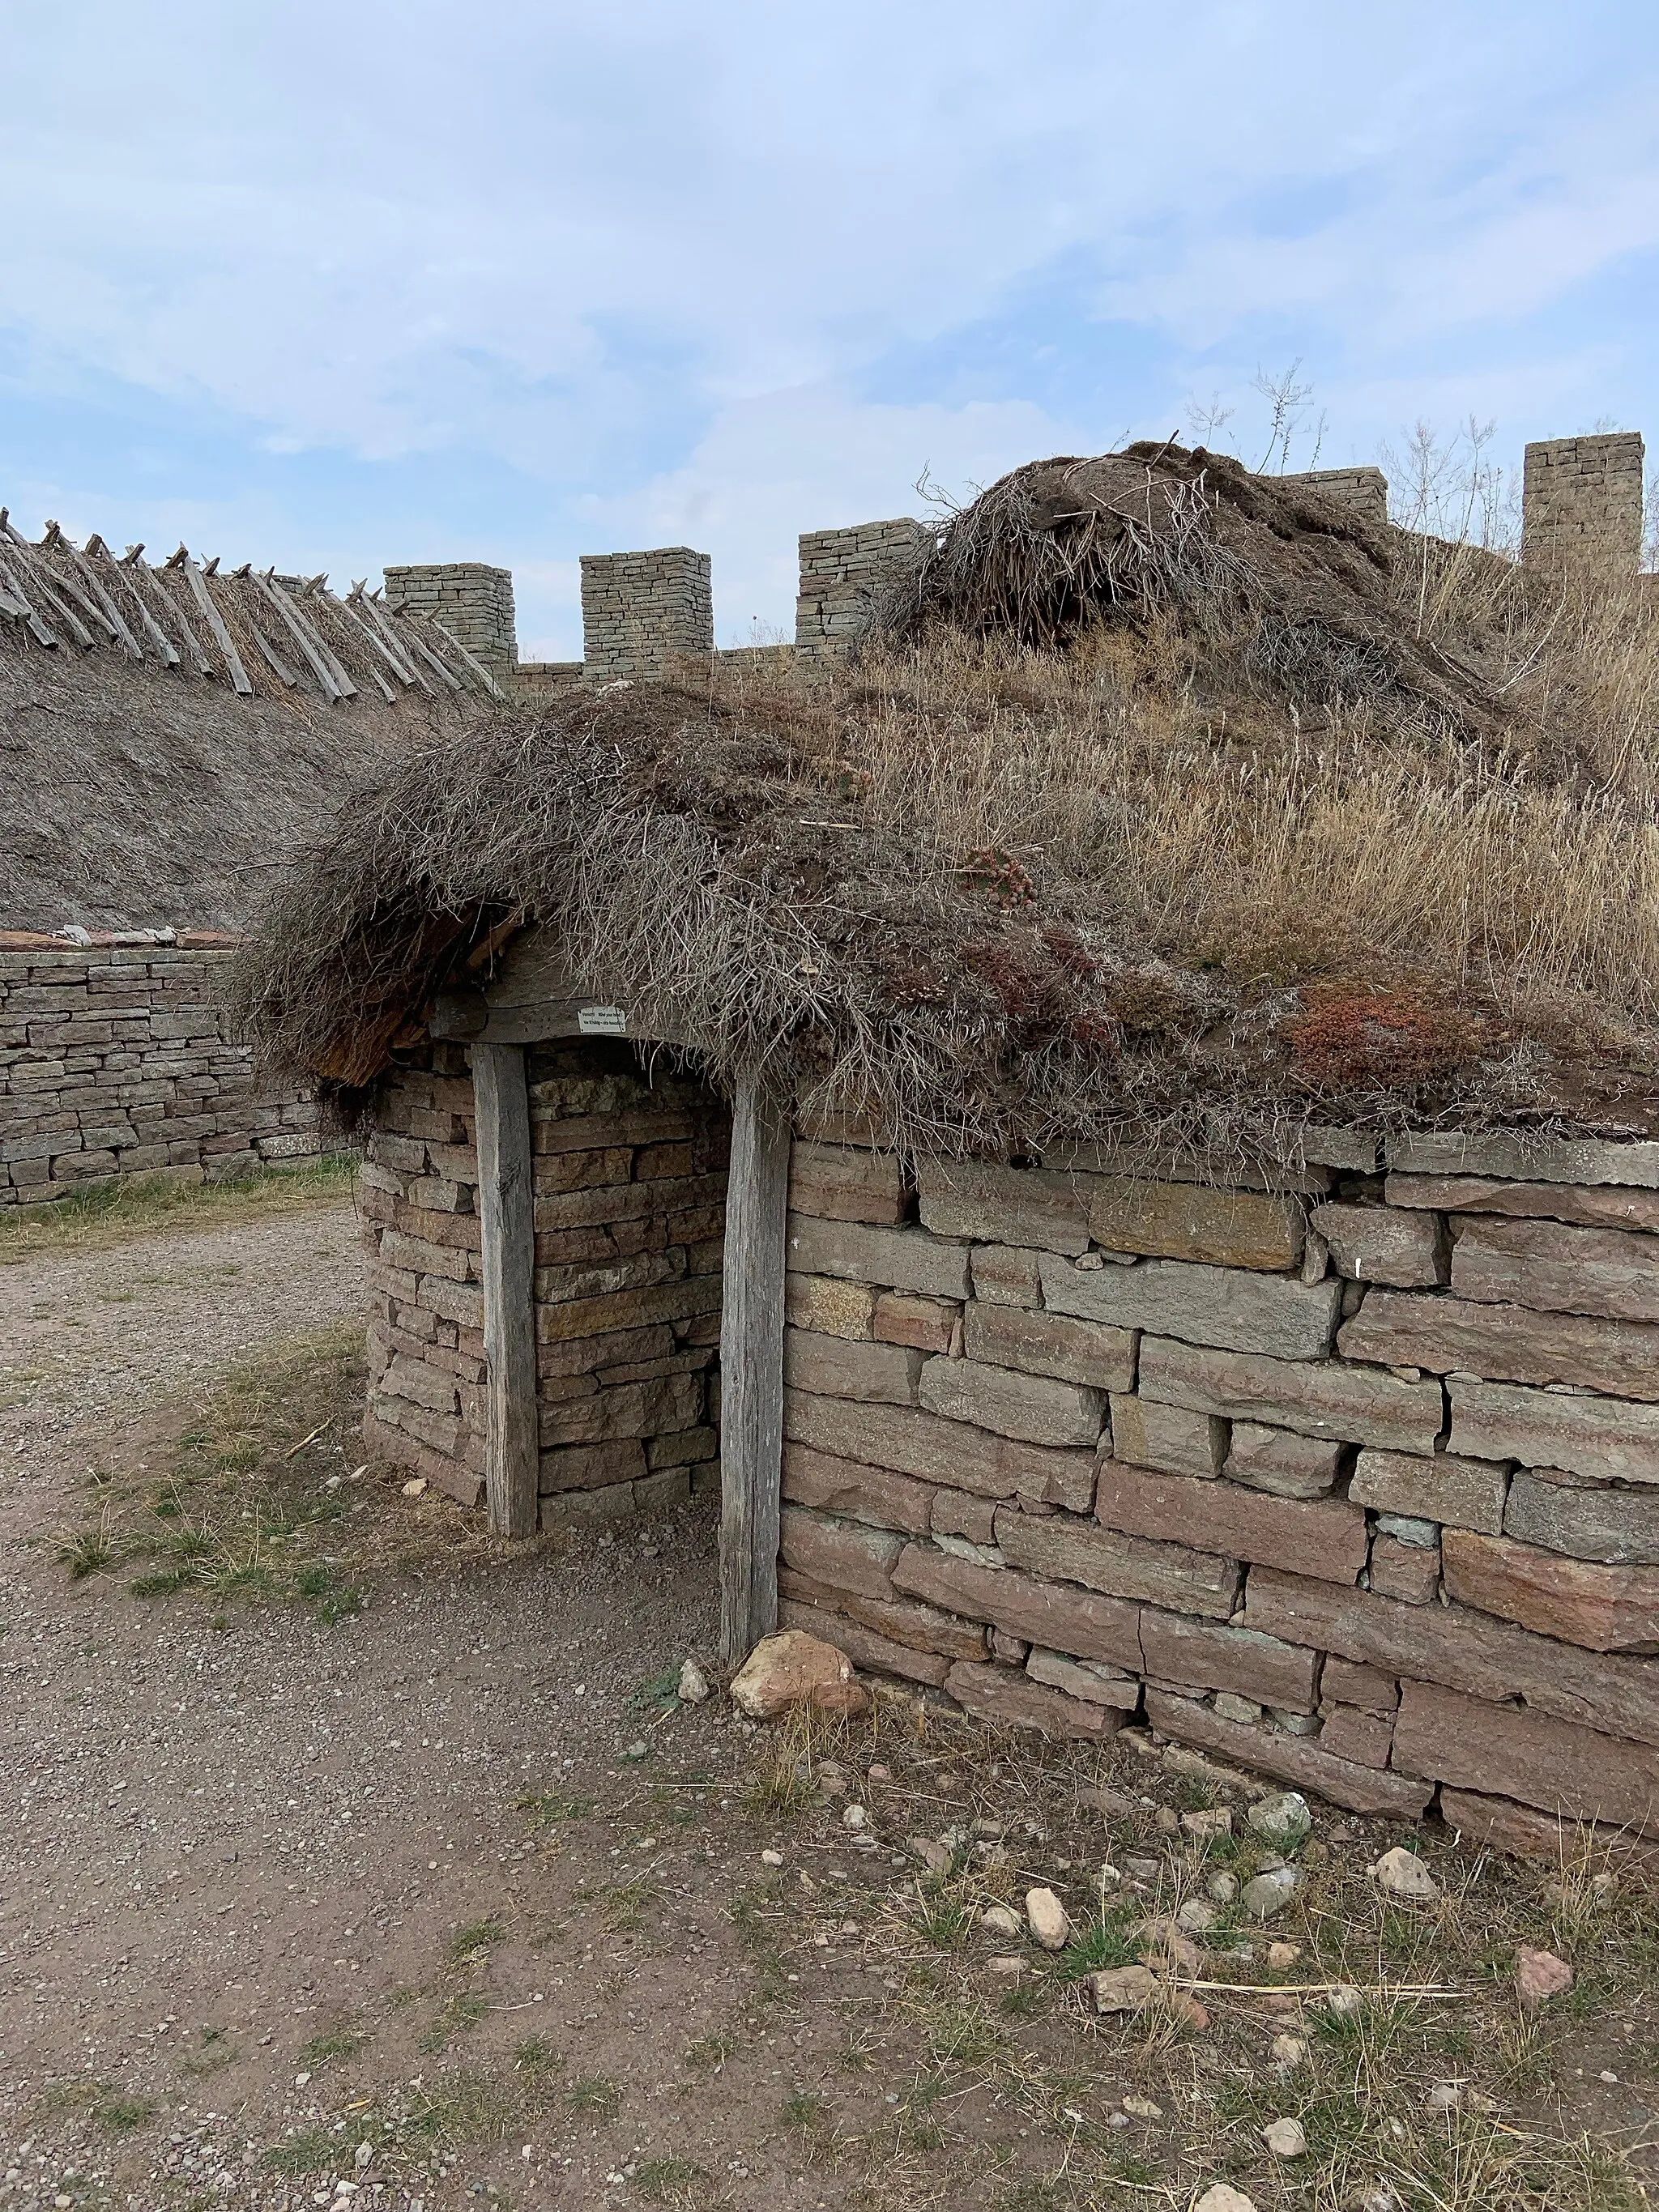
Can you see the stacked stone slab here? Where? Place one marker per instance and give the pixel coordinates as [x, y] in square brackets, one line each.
[1581, 500]
[472, 600]
[122, 1059]
[1355, 1481]
[843, 575]
[630, 1179]
[642, 612]
[1364, 491]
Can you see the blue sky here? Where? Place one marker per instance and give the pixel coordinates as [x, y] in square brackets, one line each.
[332, 286]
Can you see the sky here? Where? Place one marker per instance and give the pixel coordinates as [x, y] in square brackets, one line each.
[335, 287]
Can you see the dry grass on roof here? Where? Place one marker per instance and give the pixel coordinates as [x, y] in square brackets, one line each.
[1002, 897]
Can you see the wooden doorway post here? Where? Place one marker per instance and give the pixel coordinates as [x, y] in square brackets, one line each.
[507, 1212]
[751, 1371]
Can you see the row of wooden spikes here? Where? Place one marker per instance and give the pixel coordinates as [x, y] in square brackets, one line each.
[76, 584]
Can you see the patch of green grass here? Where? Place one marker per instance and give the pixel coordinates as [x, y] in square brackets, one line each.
[535, 2054]
[1104, 1942]
[477, 1935]
[455, 2016]
[802, 2109]
[142, 1206]
[88, 1550]
[660, 2180]
[947, 1921]
[313, 2150]
[630, 1907]
[120, 2111]
[338, 2042]
[471, 2104]
[713, 2050]
[657, 1693]
[547, 1810]
[596, 2094]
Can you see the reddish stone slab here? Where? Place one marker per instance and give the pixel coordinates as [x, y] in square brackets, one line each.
[1508, 1750]
[1296, 1758]
[1603, 1608]
[1324, 1537]
[1075, 1621]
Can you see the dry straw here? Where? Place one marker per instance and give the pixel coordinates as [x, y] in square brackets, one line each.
[1181, 830]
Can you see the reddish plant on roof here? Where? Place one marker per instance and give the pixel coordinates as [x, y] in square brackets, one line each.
[1351, 1037]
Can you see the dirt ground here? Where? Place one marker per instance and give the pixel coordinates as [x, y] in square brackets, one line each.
[368, 1860]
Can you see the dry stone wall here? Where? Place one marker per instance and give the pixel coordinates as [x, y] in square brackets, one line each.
[1355, 1482]
[470, 599]
[1582, 501]
[1364, 490]
[122, 1058]
[843, 574]
[640, 611]
[630, 1179]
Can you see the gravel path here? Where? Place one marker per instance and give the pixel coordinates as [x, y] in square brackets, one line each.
[226, 1832]
[82, 1332]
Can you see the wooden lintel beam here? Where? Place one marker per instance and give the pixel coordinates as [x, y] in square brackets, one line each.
[470, 1016]
[751, 1370]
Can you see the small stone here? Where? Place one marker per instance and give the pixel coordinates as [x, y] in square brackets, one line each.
[1284, 2138]
[300, 2081]
[1281, 1957]
[1196, 1917]
[771, 1858]
[1167, 1821]
[1230, 1707]
[878, 1772]
[1223, 1889]
[1282, 1819]
[1213, 1820]
[1222, 2197]
[638, 1749]
[793, 1669]
[1286, 2052]
[1166, 1948]
[1539, 1976]
[415, 1489]
[855, 1816]
[1122, 1989]
[1267, 1894]
[694, 1684]
[1343, 2003]
[1445, 2096]
[1142, 1869]
[1050, 1923]
[1008, 1968]
[934, 1856]
[1109, 1877]
[1002, 1920]
[1187, 2010]
[1142, 2108]
[364, 2155]
[1399, 1874]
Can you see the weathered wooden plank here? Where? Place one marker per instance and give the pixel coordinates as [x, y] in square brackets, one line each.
[241, 680]
[19, 598]
[399, 667]
[508, 1237]
[477, 666]
[300, 634]
[113, 616]
[469, 1016]
[129, 570]
[751, 1370]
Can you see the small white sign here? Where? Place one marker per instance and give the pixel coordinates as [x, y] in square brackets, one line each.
[603, 1021]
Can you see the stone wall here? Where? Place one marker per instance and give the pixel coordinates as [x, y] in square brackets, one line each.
[843, 574]
[1364, 490]
[1355, 1484]
[640, 611]
[1582, 501]
[122, 1058]
[630, 1199]
[472, 600]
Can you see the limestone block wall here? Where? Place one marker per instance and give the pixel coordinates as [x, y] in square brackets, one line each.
[843, 574]
[121, 1058]
[471, 599]
[640, 611]
[1582, 501]
[1355, 1483]
[630, 1209]
[1364, 490]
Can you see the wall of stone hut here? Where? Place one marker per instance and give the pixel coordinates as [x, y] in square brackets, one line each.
[630, 1177]
[1355, 1484]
